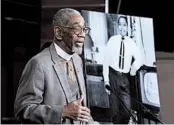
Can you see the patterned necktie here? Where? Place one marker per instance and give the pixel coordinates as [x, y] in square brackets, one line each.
[121, 56]
[70, 70]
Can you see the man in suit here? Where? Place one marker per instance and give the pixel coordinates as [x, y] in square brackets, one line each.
[118, 64]
[52, 87]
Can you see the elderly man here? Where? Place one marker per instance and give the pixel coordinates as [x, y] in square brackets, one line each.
[52, 87]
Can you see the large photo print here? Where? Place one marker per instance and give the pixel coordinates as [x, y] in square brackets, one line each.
[120, 66]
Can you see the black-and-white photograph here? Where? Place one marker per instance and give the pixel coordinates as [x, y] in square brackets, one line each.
[118, 50]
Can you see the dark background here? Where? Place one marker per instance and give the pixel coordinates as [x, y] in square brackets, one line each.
[22, 37]
[20, 41]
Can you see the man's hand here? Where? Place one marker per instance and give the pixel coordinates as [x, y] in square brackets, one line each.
[75, 111]
[107, 91]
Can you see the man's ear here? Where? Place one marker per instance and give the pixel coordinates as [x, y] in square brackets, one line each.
[58, 32]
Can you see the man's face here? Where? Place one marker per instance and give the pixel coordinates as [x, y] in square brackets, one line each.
[122, 27]
[74, 37]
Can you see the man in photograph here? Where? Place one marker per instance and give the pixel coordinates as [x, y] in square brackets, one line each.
[52, 88]
[120, 50]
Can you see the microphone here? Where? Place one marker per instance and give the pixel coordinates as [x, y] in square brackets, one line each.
[109, 88]
[146, 109]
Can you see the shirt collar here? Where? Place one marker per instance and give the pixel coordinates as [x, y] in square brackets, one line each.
[62, 53]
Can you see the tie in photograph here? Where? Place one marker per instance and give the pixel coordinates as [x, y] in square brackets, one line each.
[121, 56]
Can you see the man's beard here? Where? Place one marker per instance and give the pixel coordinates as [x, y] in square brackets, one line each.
[77, 49]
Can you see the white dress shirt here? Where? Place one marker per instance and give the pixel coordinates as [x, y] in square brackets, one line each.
[112, 56]
[67, 64]
[62, 53]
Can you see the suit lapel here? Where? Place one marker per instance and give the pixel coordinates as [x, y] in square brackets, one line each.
[80, 77]
[61, 74]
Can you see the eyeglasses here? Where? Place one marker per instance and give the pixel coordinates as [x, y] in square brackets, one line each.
[78, 29]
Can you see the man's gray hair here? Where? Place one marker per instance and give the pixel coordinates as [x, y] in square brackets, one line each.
[62, 16]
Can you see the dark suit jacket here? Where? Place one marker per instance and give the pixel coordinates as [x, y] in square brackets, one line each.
[44, 89]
